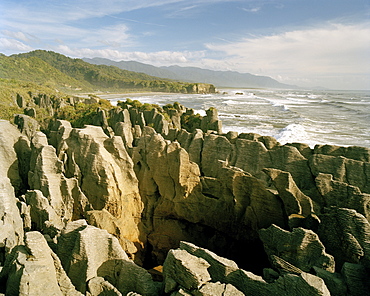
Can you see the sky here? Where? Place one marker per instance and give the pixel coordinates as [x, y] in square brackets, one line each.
[311, 43]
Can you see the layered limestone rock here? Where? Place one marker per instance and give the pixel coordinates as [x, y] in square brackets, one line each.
[83, 249]
[105, 220]
[42, 214]
[191, 142]
[351, 171]
[184, 269]
[351, 152]
[11, 149]
[59, 131]
[175, 115]
[104, 172]
[83, 173]
[295, 202]
[244, 200]
[211, 122]
[154, 186]
[346, 235]
[100, 119]
[124, 130]
[215, 148]
[88, 252]
[27, 125]
[137, 118]
[301, 247]
[251, 155]
[171, 186]
[219, 268]
[199, 274]
[11, 233]
[47, 175]
[334, 281]
[342, 195]
[165, 171]
[155, 119]
[11, 225]
[98, 286]
[357, 279]
[201, 88]
[33, 268]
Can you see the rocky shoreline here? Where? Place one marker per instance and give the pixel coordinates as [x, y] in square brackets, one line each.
[137, 205]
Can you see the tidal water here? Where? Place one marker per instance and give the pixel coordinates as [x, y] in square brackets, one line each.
[312, 117]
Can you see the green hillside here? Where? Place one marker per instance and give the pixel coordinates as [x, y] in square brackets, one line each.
[34, 69]
[54, 69]
[39, 74]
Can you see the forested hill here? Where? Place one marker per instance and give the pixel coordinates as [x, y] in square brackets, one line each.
[61, 72]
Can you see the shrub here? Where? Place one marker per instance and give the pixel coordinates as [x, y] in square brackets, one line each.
[7, 112]
[79, 115]
[191, 122]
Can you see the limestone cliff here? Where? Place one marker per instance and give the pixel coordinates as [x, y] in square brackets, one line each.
[87, 206]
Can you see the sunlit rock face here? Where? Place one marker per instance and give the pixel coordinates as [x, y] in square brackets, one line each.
[93, 207]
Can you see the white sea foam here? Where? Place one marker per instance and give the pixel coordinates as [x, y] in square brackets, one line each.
[311, 96]
[231, 102]
[201, 112]
[298, 100]
[234, 102]
[282, 106]
[236, 117]
[339, 118]
[292, 133]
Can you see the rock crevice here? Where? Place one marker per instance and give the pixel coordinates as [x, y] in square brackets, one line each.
[90, 207]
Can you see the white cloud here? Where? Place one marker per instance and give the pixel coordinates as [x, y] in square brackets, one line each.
[18, 35]
[182, 12]
[253, 10]
[159, 58]
[329, 52]
[70, 10]
[112, 36]
[7, 44]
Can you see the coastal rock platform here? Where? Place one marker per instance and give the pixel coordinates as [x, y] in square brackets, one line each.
[137, 205]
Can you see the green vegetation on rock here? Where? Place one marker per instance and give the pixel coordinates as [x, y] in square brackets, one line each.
[11, 89]
[191, 121]
[82, 114]
[138, 105]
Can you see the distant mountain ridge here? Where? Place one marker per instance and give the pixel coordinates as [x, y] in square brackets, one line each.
[194, 74]
[58, 71]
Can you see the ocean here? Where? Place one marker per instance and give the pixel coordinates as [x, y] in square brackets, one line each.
[312, 117]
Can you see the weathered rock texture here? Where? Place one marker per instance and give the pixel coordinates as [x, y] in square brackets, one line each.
[11, 233]
[90, 207]
[178, 199]
[205, 273]
[33, 269]
[346, 235]
[301, 247]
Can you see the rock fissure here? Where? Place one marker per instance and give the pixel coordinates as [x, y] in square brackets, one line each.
[152, 195]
